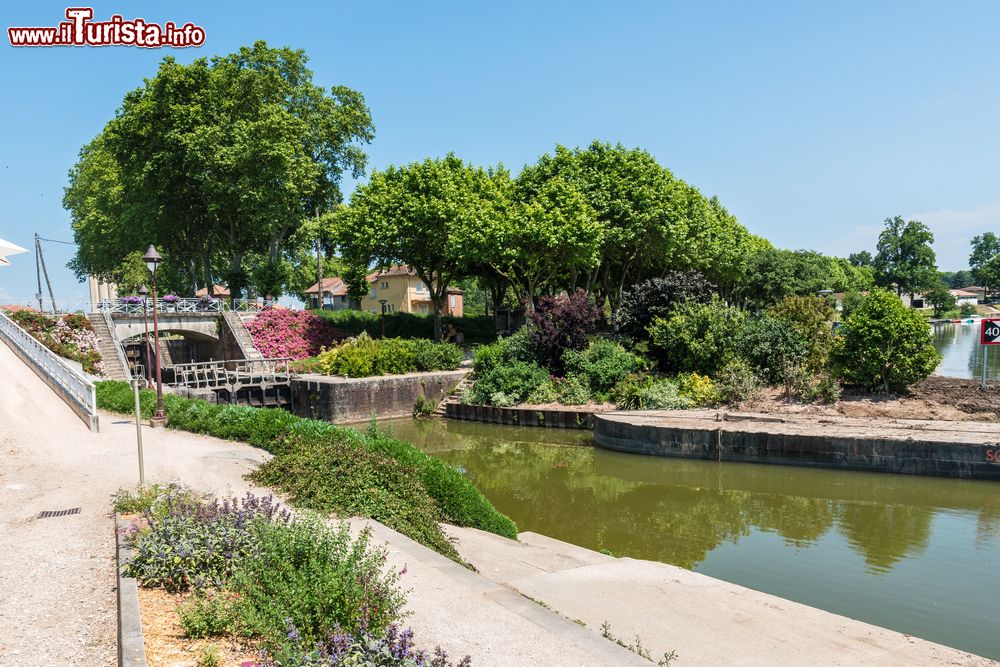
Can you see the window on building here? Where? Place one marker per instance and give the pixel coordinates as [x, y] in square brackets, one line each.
[389, 307]
[371, 295]
[452, 301]
[384, 284]
[421, 287]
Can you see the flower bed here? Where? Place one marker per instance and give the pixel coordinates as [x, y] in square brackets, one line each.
[291, 591]
[69, 336]
[282, 332]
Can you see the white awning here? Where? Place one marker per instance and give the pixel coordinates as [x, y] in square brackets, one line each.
[8, 248]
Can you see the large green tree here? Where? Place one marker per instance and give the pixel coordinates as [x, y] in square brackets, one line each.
[217, 163]
[985, 247]
[430, 215]
[905, 260]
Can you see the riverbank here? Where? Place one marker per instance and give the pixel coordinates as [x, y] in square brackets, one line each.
[917, 447]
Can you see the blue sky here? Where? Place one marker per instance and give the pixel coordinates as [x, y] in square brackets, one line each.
[812, 122]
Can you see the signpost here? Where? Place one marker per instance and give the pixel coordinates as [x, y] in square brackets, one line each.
[990, 335]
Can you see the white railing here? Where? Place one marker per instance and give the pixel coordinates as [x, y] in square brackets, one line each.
[134, 305]
[78, 392]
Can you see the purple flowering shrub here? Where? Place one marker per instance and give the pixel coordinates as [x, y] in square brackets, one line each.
[282, 332]
[391, 647]
[561, 323]
[189, 543]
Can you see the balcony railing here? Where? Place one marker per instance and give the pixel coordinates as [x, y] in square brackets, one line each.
[136, 305]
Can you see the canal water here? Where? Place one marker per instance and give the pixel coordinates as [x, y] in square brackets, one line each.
[962, 355]
[915, 554]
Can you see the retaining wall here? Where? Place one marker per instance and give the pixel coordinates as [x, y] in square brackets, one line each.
[337, 399]
[547, 418]
[979, 458]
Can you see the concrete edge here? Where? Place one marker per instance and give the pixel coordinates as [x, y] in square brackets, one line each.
[509, 598]
[516, 416]
[131, 646]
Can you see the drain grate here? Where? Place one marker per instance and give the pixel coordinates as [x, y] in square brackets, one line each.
[48, 514]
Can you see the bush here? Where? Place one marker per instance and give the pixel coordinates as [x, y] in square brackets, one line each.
[69, 336]
[737, 382]
[390, 648]
[283, 332]
[328, 474]
[657, 297]
[561, 323]
[698, 389]
[774, 348]
[515, 347]
[812, 316]
[363, 356]
[209, 614]
[573, 390]
[604, 364]
[884, 345]
[699, 337]
[314, 580]
[195, 544]
[515, 381]
[641, 392]
[457, 498]
[966, 310]
[480, 329]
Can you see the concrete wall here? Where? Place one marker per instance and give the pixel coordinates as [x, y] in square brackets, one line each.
[577, 419]
[336, 399]
[913, 457]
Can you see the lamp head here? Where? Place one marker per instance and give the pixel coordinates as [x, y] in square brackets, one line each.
[152, 258]
[143, 290]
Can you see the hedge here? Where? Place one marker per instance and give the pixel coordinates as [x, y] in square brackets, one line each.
[271, 429]
[478, 329]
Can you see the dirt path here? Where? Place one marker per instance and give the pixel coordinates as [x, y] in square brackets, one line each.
[57, 605]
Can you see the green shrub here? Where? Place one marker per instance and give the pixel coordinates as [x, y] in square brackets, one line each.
[314, 578]
[515, 347]
[515, 379]
[574, 389]
[363, 356]
[328, 474]
[699, 389]
[966, 310]
[208, 656]
[641, 392]
[546, 392]
[603, 363]
[737, 382]
[774, 348]
[884, 345]
[812, 317]
[408, 325]
[207, 614]
[699, 337]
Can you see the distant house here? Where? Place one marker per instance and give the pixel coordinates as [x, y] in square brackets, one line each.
[980, 292]
[333, 295]
[965, 297]
[404, 292]
[219, 291]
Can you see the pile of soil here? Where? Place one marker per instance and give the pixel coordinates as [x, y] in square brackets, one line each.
[949, 399]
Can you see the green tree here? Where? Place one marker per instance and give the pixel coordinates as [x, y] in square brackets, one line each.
[699, 337]
[430, 215]
[904, 260]
[883, 345]
[985, 247]
[812, 316]
[217, 162]
[990, 271]
[862, 258]
[940, 298]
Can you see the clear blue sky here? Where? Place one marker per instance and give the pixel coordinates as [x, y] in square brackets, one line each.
[812, 122]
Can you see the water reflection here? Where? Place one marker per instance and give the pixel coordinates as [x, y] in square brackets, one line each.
[962, 355]
[909, 553]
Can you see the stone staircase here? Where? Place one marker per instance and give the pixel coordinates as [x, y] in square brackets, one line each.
[110, 358]
[237, 328]
[442, 409]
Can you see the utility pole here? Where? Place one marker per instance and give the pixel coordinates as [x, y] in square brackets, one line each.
[40, 260]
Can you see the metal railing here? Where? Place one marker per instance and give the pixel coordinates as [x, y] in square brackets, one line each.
[74, 388]
[134, 305]
[233, 375]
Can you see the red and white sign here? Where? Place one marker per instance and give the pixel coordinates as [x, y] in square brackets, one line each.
[991, 332]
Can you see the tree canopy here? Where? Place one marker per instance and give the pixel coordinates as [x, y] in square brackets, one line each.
[905, 260]
[219, 164]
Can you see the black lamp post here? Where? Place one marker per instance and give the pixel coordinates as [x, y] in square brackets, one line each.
[144, 291]
[152, 258]
[383, 302]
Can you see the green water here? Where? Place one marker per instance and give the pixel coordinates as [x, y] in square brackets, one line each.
[915, 554]
[961, 353]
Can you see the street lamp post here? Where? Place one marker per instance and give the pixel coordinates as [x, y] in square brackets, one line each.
[152, 258]
[144, 292]
[383, 302]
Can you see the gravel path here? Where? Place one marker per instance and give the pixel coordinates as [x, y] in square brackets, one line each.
[57, 584]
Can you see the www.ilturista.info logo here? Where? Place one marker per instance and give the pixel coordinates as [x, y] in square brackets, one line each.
[80, 30]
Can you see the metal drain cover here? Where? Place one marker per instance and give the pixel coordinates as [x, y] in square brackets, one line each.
[48, 514]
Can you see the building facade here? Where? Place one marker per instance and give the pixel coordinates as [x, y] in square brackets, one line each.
[402, 291]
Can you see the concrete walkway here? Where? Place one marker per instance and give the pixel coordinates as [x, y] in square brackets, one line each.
[706, 621]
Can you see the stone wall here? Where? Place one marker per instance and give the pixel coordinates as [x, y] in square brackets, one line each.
[874, 454]
[548, 418]
[337, 399]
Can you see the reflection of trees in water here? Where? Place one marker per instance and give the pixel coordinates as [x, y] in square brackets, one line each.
[988, 522]
[676, 517]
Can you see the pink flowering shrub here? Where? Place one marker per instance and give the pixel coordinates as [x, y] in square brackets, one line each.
[70, 336]
[282, 332]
